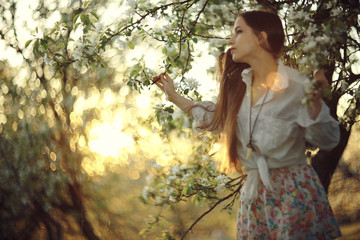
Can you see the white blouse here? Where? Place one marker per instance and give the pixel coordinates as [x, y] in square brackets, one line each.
[281, 130]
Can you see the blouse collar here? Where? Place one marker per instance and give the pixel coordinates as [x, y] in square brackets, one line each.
[280, 84]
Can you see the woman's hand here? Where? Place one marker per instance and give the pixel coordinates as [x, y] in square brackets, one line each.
[166, 84]
[322, 83]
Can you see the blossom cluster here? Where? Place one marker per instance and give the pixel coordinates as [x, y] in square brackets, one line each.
[163, 114]
[186, 86]
[171, 184]
[311, 88]
[86, 45]
[315, 40]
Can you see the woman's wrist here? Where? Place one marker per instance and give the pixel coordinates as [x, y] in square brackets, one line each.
[173, 96]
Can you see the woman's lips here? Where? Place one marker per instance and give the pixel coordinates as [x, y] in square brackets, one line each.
[232, 50]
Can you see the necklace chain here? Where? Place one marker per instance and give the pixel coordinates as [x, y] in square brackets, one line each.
[250, 145]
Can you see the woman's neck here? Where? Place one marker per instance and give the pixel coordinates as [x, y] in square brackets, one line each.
[263, 68]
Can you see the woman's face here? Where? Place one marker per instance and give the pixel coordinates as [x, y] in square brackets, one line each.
[243, 43]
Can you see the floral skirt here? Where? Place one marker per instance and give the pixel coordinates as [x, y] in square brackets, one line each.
[298, 208]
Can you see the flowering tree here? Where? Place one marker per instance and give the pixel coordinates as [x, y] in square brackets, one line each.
[73, 59]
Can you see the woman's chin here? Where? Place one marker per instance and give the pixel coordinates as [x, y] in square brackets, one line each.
[236, 59]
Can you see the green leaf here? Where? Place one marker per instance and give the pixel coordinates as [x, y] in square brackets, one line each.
[169, 109]
[76, 26]
[86, 3]
[134, 72]
[85, 19]
[326, 92]
[75, 18]
[131, 45]
[95, 15]
[28, 43]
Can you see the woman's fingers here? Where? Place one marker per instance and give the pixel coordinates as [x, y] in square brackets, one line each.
[164, 82]
[167, 77]
[155, 79]
[161, 86]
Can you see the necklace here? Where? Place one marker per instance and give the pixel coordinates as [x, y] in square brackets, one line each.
[250, 146]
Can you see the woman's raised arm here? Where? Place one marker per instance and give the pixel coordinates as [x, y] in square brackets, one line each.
[166, 84]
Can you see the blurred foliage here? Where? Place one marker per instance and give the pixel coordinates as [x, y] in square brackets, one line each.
[78, 71]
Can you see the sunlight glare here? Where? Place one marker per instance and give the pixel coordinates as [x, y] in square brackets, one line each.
[143, 101]
[108, 139]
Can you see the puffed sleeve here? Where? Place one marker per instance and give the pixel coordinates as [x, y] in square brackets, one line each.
[203, 112]
[323, 132]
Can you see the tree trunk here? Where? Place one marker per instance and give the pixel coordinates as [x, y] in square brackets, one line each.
[325, 162]
[81, 218]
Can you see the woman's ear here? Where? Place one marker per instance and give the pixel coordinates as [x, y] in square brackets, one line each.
[263, 40]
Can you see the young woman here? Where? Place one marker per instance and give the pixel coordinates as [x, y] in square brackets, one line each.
[265, 126]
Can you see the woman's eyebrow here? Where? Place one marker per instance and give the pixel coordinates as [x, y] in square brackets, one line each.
[237, 28]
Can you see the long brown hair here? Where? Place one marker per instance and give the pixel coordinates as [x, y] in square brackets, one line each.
[231, 93]
[232, 88]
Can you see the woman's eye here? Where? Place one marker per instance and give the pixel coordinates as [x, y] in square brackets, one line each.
[238, 31]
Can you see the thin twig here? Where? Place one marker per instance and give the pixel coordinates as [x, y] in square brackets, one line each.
[143, 17]
[212, 208]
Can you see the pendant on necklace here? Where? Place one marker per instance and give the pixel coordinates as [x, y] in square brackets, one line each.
[250, 149]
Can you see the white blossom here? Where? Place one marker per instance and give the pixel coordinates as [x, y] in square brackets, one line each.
[171, 179]
[311, 29]
[192, 83]
[132, 3]
[149, 178]
[175, 170]
[164, 28]
[186, 176]
[309, 45]
[170, 48]
[121, 44]
[169, 191]
[98, 28]
[303, 60]
[77, 65]
[78, 51]
[172, 199]
[146, 191]
[220, 187]
[221, 182]
[335, 12]
[156, 166]
[221, 178]
[310, 89]
[50, 62]
[308, 85]
[205, 158]
[163, 115]
[204, 182]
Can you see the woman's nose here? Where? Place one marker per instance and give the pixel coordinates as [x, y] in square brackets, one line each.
[231, 41]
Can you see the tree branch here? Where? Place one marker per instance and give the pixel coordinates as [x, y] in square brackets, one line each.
[241, 182]
[152, 11]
